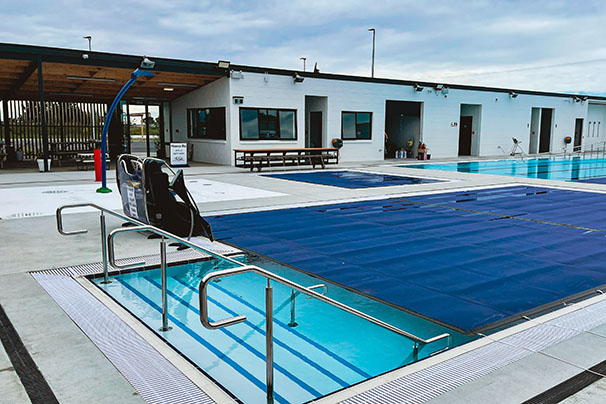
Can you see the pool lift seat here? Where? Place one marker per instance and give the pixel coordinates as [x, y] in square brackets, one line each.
[150, 197]
[515, 147]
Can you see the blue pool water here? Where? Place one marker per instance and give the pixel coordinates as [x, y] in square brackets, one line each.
[328, 350]
[569, 169]
[351, 179]
[474, 260]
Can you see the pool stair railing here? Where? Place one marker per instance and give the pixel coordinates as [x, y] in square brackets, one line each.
[109, 259]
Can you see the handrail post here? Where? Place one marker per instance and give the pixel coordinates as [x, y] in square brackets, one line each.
[104, 248]
[293, 322]
[269, 342]
[415, 351]
[165, 326]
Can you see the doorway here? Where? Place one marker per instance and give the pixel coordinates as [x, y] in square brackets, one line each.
[465, 135]
[403, 126]
[545, 131]
[533, 144]
[578, 133]
[469, 130]
[315, 124]
[315, 129]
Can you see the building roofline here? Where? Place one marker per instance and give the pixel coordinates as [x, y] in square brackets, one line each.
[344, 77]
[107, 59]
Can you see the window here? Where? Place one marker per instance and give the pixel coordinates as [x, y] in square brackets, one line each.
[268, 124]
[206, 123]
[356, 125]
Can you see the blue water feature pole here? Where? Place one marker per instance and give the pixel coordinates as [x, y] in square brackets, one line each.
[133, 77]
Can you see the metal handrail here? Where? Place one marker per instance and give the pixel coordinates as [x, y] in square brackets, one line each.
[103, 211]
[269, 361]
[305, 290]
[108, 251]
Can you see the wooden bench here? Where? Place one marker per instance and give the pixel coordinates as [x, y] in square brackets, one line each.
[83, 160]
[259, 158]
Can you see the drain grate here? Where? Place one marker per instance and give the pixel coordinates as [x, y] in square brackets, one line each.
[54, 191]
[21, 215]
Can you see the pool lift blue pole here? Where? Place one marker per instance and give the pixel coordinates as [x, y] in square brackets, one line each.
[133, 77]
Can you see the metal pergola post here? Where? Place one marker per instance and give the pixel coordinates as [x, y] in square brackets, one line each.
[7, 136]
[43, 114]
[145, 119]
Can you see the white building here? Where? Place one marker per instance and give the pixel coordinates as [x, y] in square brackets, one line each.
[270, 109]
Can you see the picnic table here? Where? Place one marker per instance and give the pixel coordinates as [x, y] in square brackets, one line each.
[69, 150]
[259, 158]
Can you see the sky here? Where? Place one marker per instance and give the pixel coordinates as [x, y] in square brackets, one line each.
[549, 45]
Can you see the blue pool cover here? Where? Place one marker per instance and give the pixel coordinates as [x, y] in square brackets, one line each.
[471, 260]
[351, 179]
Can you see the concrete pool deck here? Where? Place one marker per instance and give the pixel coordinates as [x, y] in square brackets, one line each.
[78, 372]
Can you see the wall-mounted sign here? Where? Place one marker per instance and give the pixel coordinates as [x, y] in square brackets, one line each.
[178, 154]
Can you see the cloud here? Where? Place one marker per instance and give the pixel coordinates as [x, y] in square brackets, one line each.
[506, 43]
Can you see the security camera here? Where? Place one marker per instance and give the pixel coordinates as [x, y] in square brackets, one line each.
[439, 87]
[513, 94]
[418, 87]
[147, 64]
[297, 78]
[85, 56]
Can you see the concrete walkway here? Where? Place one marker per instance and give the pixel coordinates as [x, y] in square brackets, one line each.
[74, 368]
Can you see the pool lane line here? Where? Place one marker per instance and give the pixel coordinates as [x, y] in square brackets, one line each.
[33, 381]
[201, 341]
[289, 329]
[244, 344]
[502, 216]
[254, 328]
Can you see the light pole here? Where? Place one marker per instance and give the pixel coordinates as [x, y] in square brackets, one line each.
[90, 38]
[372, 69]
[303, 59]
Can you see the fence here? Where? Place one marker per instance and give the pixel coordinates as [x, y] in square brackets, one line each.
[66, 122]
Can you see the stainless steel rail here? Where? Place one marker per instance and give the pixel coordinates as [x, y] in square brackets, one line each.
[103, 211]
[213, 325]
[109, 258]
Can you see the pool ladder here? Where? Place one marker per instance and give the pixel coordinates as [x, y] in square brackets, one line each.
[109, 258]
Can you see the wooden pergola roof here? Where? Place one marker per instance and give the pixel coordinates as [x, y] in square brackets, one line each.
[74, 75]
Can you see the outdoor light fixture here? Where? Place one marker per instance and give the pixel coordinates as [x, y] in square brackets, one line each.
[297, 78]
[147, 64]
[445, 90]
[91, 78]
[513, 94]
[177, 84]
[439, 87]
[418, 87]
[237, 75]
[89, 38]
[223, 64]
[169, 89]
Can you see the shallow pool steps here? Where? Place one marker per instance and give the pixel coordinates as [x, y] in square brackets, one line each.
[235, 356]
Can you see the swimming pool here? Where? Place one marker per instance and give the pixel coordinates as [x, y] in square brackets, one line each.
[565, 169]
[473, 260]
[351, 179]
[327, 350]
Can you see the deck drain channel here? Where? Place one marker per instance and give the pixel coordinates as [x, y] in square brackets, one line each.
[32, 379]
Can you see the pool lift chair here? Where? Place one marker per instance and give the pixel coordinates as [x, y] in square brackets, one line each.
[515, 147]
[150, 197]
